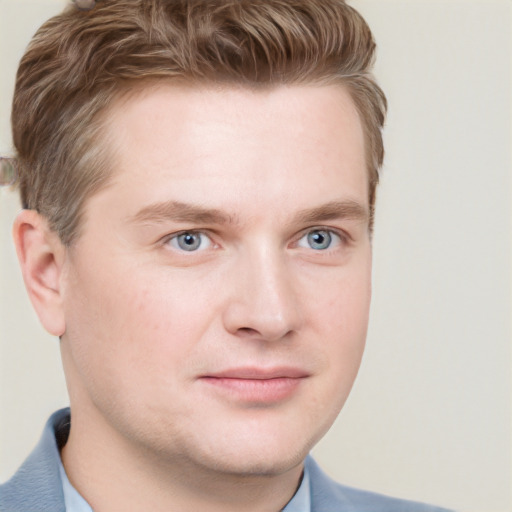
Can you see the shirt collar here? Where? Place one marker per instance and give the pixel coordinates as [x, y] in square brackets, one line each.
[72, 498]
[301, 501]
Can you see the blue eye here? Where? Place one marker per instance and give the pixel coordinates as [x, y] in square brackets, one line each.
[319, 239]
[190, 241]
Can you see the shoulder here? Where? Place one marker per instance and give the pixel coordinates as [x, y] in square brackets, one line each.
[329, 496]
[36, 486]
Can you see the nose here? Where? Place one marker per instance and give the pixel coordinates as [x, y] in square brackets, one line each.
[263, 300]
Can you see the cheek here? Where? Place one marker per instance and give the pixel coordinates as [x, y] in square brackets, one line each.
[147, 324]
[340, 322]
[126, 339]
[342, 304]
[340, 317]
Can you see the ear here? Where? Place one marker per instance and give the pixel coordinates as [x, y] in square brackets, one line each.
[41, 256]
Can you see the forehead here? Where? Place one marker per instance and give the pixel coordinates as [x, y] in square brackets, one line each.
[226, 146]
[181, 104]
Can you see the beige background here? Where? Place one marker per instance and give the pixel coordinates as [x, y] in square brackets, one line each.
[430, 414]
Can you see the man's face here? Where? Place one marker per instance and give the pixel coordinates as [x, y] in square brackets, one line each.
[217, 300]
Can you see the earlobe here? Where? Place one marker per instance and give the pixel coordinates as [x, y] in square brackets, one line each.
[41, 256]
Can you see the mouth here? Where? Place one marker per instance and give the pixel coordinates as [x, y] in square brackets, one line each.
[260, 386]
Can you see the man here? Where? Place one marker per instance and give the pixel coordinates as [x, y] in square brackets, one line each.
[198, 181]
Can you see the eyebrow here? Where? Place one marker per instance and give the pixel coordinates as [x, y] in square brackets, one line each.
[181, 212]
[194, 214]
[347, 209]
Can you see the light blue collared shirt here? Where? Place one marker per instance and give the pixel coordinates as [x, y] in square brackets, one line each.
[72, 498]
[301, 502]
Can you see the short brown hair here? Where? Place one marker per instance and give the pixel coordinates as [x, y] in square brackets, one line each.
[80, 61]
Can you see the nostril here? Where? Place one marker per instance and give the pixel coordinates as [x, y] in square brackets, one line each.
[247, 331]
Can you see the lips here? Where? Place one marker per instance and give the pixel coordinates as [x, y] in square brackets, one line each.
[254, 373]
[256, 385]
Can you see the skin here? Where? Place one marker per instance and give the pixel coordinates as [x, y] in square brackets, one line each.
[202, 378]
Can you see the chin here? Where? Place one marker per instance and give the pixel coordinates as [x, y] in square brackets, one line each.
[256, 455]
[262, 465]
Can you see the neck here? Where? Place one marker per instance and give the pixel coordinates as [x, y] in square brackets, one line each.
[112, 474]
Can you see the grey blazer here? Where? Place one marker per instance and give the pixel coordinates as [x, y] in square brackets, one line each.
[37, 487]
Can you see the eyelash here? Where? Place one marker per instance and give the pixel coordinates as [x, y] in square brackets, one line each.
[175, 236]
[343, 237]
